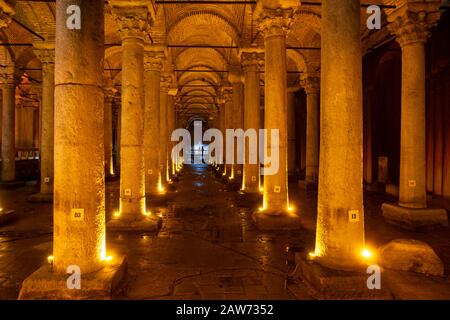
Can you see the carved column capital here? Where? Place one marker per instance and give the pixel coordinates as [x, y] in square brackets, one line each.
[46, 56]
[153, 60]
[166, 82]
[274, 17]
[226, 95]
[252, 61]
[10, 75]
[133, 17]
[311, 84]
[411, 22]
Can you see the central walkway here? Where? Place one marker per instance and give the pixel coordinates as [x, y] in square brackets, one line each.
[207, 248]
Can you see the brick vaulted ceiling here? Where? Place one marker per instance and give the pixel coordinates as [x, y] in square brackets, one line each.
[179, 25]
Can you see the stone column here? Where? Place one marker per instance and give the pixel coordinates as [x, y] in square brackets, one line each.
[47, 58]
[251, 62]
[312, 85]
[291, 131]
[79, 197]
[133, 21]
[340, 220]
[153, 64]
[9, 82]
[275, 212]
[108, 121]
[227, 95]
[163, 130]
[171, 128]
[236, 120]
[411, 23]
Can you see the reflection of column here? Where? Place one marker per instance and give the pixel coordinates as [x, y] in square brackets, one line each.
[411, 23]
[132, 176]
[291, 131]
[340, 220]
[9, 82]
[163, 129]
[250, 63]
[153, 65]
[311, 85]
[276, 212]
[47, 58]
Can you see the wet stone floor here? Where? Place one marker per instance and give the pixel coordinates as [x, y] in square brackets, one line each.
[207, 248]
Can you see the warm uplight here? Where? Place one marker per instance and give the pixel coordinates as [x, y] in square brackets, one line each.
[311, 255]
[160, 215]
[291, 209]
[117, 214]
[148, 214]
[1, 210]
[261, 189]
[50, 259]
[108, 258]
[366, 254]
[261, 209]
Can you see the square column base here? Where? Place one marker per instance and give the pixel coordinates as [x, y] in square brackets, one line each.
[148, 224]
[41, 198]
[44, 284]
[336, 284]
[412, 218]
[269, 222]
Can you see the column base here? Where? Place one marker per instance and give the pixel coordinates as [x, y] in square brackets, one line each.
[147, 224]
[267, 222]
[44, 284]
[307, 185]
[11, 184]
[414, 219]
[156, 198]
[40, 197]
[336, 284]
[7, 217]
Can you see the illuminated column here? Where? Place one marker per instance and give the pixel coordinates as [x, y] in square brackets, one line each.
[109, 98]
[340, 220]
[133, 30]
[221, 103]
[274, 24]
[153, 64]
[227, 95]
[171, 128]
[411, 23]
[163, 129]
[46, 149]
[79, 197]
[291, 130]
[9, 82]
[251, 62]
[312, 85]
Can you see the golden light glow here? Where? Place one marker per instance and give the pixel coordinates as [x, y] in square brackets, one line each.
[291, 208]
[160, 215]
[366, 254]
[311, 255]
[111, 167]
[50, 259]
[116, 214]
[108, 258]
[261, 189]
[260, 209]
[148, 213]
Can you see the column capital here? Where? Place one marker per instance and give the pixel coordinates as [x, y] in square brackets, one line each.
[10, 75]
[226, 94]
[166, 82]
[46, 56]
[133, 17]
[274, 17]
[311, 84]
[153, 60]
[6, 13]
[251, 60]
[411, 22]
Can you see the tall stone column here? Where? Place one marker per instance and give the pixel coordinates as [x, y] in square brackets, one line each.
[171, 128]
[291, 131]
[312, 85]
[251, 61]
[9, 81]
[133, 22]
[227, 95]
[109, 169]
[47, 57]
[275, 212]
[152, 64]
[79, 196]
[236, 121]
[340, 215]
[411, 23]
[163, 130]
